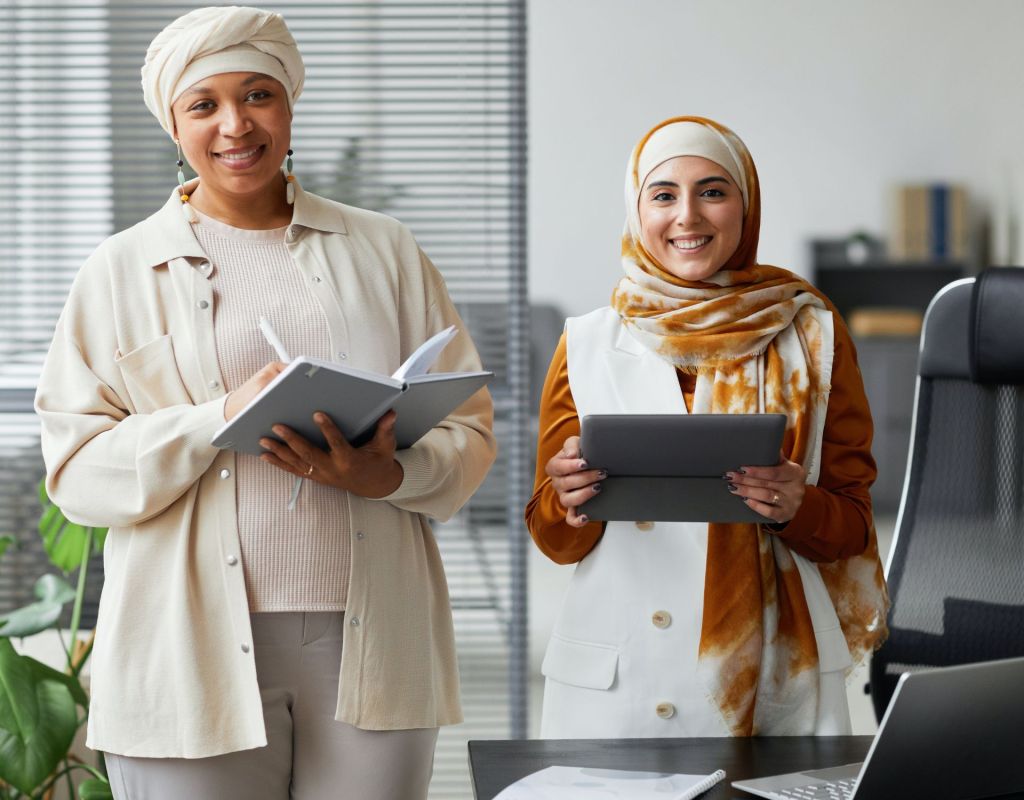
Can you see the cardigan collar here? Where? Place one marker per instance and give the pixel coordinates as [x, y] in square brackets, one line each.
[167, 235]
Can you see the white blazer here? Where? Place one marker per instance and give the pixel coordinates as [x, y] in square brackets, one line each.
[623, 655]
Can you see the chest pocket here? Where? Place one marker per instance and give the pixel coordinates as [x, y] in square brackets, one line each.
[151, 377]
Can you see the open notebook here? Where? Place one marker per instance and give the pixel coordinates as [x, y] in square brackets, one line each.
[590, 783]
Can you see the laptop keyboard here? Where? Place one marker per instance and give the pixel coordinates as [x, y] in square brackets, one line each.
[833, 790]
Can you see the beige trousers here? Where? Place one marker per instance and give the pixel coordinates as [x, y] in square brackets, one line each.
[309, 755]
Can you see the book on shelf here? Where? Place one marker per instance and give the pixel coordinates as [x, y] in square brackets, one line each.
[930, 223]
[355, 399]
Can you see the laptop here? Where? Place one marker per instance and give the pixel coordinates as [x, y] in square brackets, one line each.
[952, 733]
[669, 467]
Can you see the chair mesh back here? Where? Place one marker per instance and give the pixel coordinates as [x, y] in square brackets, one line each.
[956, 577]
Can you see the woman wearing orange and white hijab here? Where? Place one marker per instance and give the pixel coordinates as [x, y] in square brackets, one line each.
[697, 629]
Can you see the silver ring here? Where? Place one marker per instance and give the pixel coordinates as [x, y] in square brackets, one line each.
[310, 472]
[775, 499]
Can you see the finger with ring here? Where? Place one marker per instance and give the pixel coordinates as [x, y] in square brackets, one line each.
[775, 499]
[309, 472]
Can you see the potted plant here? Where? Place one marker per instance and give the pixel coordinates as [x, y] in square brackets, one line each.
[42, 708]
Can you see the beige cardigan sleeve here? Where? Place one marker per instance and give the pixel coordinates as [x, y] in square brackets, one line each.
[445, 467]
[109, 462]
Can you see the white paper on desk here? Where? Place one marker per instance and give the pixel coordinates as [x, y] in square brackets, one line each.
[590, 783]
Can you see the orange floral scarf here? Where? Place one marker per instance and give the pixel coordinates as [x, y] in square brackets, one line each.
[753, 335]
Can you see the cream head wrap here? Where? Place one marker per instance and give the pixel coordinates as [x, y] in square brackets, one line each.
[211, 41]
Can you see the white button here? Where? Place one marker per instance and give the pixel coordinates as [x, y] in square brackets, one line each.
[245, 647]
[661, 619]
[203, 304]
[225, 473]
[342, 356]
[665, 710]
[205, 267]
[354, 622]
[317, 279]
[213, 384]
[360, 534]
[232, 560]
[645, 526]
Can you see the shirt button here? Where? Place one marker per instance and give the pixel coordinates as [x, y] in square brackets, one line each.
[665, 710]
[354, 622]
[360, 534]
[342, 356]
[645, 526]
[245, 647]
[203, 304]
[213, 384]
[661, 619]
[206, 267]
[225, 473]
[232, 560]
[317, 279]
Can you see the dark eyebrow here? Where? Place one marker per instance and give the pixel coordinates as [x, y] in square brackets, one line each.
[256, 76]
[712, 179]
[701, 182]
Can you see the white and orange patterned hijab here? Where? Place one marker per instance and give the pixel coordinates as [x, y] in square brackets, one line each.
[753, 336]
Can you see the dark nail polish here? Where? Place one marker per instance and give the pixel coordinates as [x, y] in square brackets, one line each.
[585, 518]
[732, 487]
[583, 465]
[742, 471]
[596, 487]
[727, 476]
[602, 474]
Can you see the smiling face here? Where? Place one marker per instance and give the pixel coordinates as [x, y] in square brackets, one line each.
[691, 216]
[235, 130]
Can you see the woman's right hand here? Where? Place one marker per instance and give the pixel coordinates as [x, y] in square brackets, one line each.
[574, 481]
[240, 398]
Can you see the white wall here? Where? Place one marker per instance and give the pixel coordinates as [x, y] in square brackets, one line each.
[835, 100]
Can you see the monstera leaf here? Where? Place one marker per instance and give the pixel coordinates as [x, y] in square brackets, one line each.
[53, 592]
[65, 540]
[38, 718]
[94, 789]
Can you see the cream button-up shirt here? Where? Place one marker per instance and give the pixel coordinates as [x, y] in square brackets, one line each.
[129, 398]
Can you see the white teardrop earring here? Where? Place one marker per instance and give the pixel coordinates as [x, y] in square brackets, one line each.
[186, 208]
[290, 191]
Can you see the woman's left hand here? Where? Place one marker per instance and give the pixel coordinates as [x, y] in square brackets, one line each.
[368, 471]
[774, 492]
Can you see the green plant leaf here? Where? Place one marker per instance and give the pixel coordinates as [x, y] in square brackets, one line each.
[94, 789]
[37, 719]
[6, 540]
[53, 592]
[62, 539]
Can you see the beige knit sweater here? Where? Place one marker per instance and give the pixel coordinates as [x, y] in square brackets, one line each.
[295, 560]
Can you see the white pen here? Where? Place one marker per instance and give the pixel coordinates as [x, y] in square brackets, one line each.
[268, 332]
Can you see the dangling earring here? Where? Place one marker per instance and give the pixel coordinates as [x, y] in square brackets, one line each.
[290, 191]
[186, 209]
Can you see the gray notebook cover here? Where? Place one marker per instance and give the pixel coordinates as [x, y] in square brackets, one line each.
[353, 398]
[669, 467]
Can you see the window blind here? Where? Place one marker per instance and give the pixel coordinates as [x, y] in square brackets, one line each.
[413, 108]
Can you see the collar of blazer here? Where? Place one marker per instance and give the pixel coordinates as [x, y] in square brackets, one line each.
[166, 235]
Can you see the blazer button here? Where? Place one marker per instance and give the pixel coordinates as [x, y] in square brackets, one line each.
[245, 647]
[665, 710]
[203, 304]
[661, 619]
[225, 474]
[232, 560]
[645, 526]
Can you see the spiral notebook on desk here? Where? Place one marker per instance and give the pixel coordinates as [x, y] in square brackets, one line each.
[591, 783]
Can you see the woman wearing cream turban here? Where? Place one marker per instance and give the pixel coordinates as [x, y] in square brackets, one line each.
[697, 629]
[248, 646]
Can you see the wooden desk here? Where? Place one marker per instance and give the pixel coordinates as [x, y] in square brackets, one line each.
[494, 765]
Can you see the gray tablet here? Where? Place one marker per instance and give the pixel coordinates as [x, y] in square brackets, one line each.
[669, 467]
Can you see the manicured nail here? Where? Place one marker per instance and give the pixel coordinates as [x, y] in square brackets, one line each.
[583, 464]
[585, 518]
[278, 430]
[742, 471]
[727, 476]
[319, 417]
[602, 474]
[596, 487]
[732, 487]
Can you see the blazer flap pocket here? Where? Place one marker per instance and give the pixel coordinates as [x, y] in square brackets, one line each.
[833, 652]
[586, 664]
[151, 376]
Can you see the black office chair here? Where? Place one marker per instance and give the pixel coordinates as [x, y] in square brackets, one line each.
[956, 569]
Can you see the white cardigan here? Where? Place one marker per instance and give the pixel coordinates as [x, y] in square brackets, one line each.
[622, 659]
[129, 398]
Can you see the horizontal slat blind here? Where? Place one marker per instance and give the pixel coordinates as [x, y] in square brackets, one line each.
[413, 108]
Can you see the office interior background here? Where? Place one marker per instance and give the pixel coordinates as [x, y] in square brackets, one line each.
[498, 130]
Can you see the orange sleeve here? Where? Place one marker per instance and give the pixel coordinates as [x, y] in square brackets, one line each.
[545, 516]
[835, 518]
